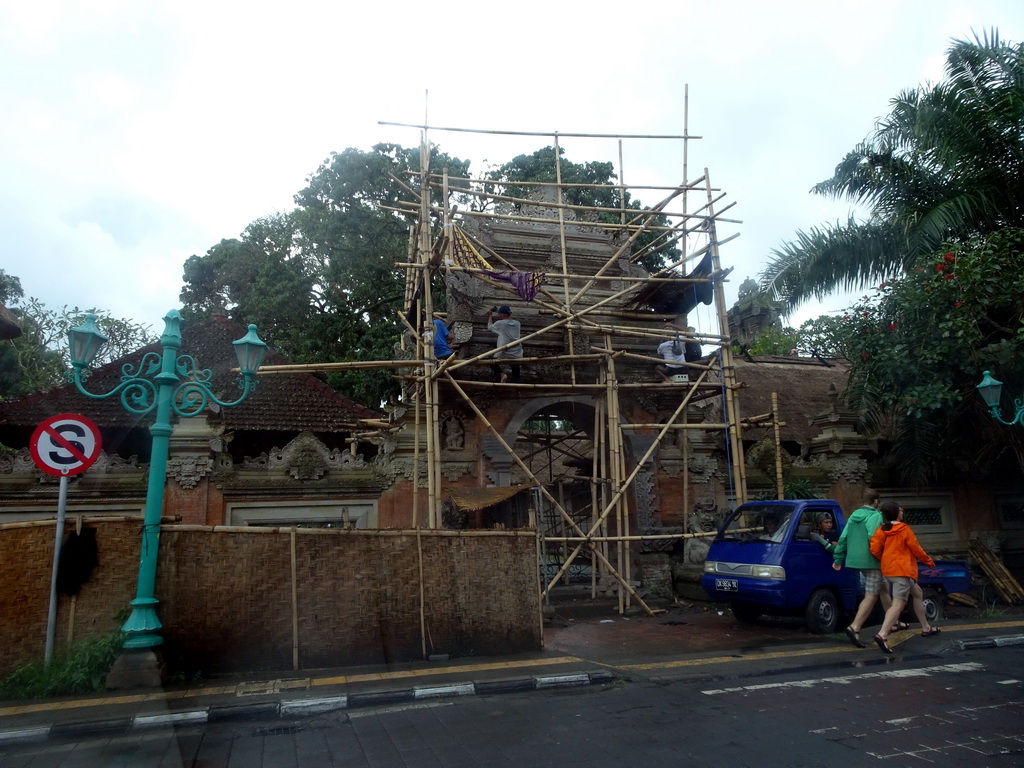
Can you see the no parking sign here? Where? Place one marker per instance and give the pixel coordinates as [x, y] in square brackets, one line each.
[65, 444]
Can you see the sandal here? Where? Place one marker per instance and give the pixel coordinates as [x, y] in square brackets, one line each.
[851, 633]
[884, 645]
[900, 625]
[931, 632]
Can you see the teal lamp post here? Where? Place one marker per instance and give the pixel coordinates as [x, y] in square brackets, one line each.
[991, 390]
[167, 383]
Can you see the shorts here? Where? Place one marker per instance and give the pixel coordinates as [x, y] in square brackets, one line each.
[902, 587]
[872, 580]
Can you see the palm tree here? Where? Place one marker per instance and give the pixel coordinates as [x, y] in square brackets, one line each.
[945, 165]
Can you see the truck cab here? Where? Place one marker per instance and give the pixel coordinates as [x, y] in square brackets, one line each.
[764, 561]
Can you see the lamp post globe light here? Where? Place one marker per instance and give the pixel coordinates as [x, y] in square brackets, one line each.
[166, 383]
[991, 390]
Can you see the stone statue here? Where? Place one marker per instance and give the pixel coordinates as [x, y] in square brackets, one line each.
[454, 433]
[703, 519]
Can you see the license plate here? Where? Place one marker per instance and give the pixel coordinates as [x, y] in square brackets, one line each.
[727, 585]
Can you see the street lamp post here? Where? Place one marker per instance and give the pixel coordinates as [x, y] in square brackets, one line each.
[991, 390]
[167, 383]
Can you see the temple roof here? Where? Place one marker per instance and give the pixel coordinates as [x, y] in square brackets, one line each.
[802, 385]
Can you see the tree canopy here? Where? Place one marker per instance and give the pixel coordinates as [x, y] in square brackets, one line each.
[320, 281]
[919, 346]
[945, 166]
[39, 358]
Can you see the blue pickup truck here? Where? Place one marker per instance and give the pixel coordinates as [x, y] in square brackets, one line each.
[764, 561]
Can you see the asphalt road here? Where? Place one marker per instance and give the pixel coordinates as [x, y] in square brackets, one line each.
[958, 708]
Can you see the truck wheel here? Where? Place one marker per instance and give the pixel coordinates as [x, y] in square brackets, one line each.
[822, 612]
[745, 612]
[932, 605]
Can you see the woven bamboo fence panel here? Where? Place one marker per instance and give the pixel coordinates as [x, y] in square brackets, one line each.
[26, 562]
[226, 595]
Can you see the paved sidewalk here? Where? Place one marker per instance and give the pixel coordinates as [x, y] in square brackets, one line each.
[694, 641]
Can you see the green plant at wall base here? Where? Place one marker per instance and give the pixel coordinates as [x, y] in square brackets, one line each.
[80, 669]
[793, 489]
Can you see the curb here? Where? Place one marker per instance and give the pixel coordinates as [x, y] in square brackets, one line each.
[990, 642]
[300, 707]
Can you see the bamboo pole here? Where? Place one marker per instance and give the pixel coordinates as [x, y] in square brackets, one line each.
[295, 602]
[730, 408]
[423, 603]
[616, 465]
[408, 209]
[533, 133]
[695, 184]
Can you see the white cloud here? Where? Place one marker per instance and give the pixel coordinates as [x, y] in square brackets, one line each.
[137, 134]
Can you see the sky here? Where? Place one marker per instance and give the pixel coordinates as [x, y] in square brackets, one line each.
[134, 135]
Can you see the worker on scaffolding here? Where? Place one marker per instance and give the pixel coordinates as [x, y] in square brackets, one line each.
[675, 351]
[442, 340]
[507, 331]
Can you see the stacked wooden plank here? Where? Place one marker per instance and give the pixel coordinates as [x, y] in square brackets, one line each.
[1009, 588]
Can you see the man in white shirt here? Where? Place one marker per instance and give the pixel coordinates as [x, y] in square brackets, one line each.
[507, 331]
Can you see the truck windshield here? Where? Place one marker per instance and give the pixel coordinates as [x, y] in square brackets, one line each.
[753, 522]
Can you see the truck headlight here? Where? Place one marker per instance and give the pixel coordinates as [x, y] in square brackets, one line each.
[776, 572]
[710, 566]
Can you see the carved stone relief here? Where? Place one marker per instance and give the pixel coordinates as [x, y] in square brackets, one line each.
[17, 463]
[187, 470]
[305, 458]
[453, 432]
[848, 468]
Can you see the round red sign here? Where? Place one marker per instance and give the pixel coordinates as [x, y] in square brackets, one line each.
[65, 444]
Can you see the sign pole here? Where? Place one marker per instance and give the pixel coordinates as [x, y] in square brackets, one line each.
[63, 445]
[51, 620]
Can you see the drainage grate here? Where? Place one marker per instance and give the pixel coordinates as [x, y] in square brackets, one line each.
[278, 731]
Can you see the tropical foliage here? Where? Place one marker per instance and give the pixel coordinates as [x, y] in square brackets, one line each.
[919, 346]
[320, 281]
[38, 359]
[946, 165]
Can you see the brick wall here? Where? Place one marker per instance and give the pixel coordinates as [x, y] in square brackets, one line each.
[226, 594]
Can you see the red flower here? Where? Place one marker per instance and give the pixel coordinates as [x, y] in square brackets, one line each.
[950, 277]
[950, 258]
[865, 356]
[957, 303]
[892, 326]
[940, 267]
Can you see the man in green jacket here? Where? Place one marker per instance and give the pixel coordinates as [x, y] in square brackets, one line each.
[853, 550]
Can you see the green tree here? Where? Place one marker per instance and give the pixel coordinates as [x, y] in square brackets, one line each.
[320, 281]
[918, 346]
[39, 358]
[946, 165]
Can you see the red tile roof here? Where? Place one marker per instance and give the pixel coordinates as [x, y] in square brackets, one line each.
[290, 402]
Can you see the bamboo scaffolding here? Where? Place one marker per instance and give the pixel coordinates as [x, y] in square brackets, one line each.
[406, 208]
[547, 495]
[604, 531]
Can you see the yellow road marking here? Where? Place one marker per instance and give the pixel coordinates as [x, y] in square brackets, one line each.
[894, 639]
[341, 679]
